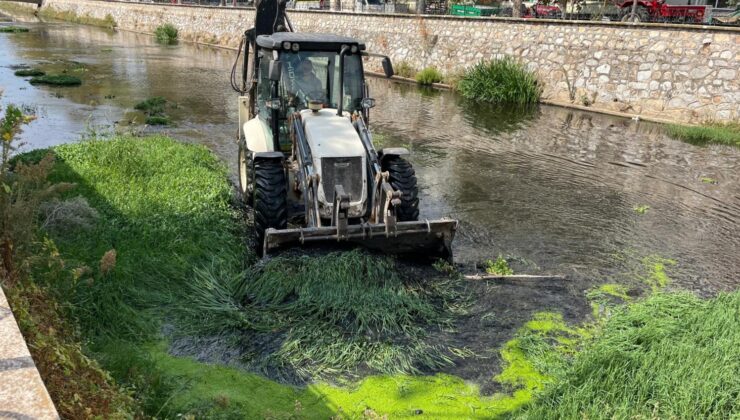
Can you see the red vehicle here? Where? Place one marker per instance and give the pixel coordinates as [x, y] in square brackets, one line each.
[544, 10]
[660, 11]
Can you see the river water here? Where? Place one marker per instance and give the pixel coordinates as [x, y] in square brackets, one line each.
[554, 190]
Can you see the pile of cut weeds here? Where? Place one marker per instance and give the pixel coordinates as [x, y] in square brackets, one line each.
[341, 314]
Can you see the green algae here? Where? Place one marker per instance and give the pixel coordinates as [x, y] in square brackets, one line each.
[654, 268]
[605, 297]
[213, 391]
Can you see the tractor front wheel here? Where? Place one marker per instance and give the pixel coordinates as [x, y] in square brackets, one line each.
[402, 177]
[270, 198]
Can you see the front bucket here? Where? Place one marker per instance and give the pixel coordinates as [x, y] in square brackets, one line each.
[427, 239]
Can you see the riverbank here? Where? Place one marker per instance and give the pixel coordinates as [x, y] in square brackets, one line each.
[601, 64]
[156, 276]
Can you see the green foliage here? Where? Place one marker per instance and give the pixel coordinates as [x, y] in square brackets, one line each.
[166, 33]
[404, 69]
[154, 108]
[641, 209]
[12, 29]
[29, 72]
[500, 81]
[158, 120]
[163, 207]
[500, 267]
[670, 356]
[338, 312]
[29, 264]
[709, 133]
[56, 80]
[428, 76]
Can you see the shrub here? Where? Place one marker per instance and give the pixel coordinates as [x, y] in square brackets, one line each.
[12, 29]
[500, 267]
[500, 81]
[29, 72]
[56, 80]
[166, 34]
[713, 132]
[428, 76]
[404, 69]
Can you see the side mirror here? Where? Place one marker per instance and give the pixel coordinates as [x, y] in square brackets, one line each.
[387, 67]
[275, 70]
[368, 103]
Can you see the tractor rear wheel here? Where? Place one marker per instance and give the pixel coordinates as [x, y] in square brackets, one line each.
[402, 177]
[246, 168]
[270, 198]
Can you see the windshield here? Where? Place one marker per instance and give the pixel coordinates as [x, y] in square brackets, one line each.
[314, 75]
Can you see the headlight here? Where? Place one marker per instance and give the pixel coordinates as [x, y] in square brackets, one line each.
[286, 45]
[295, 47]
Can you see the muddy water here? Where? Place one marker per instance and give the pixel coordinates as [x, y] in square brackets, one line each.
[552, 189]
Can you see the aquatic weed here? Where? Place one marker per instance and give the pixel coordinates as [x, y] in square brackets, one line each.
[166, 33]
[428, 76]
[499, 267]
[502, 80]
[56, 80]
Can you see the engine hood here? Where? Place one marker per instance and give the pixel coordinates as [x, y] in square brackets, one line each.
[330, 135]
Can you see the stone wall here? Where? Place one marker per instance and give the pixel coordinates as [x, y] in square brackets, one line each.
[673, 72]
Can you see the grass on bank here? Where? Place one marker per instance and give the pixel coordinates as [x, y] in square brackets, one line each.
[670, 356]
[428, 76]
[710, 133]
[166, 33]
[56, 80]
[30, 270]
[503, 81]
[12, 29]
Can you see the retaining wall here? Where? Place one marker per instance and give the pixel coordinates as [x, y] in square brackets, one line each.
[22, 393]
[674, 72]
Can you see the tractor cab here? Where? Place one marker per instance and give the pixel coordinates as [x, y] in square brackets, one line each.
[306, 152]
[298, 70]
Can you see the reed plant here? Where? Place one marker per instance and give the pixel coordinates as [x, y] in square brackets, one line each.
[503, 81]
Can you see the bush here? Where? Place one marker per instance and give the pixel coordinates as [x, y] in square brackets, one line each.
[500, 81]
[714, 132]
[29, 72]
[428, 76]
[166, 34]
[56, 80]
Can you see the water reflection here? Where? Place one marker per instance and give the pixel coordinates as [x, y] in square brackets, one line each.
[554, 188]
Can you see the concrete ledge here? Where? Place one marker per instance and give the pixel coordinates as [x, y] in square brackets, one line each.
[23, 395]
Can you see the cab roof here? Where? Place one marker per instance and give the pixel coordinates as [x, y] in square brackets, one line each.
[308, 41]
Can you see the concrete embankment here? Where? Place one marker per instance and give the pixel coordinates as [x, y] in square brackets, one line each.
[680, 73]
[22, 393]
